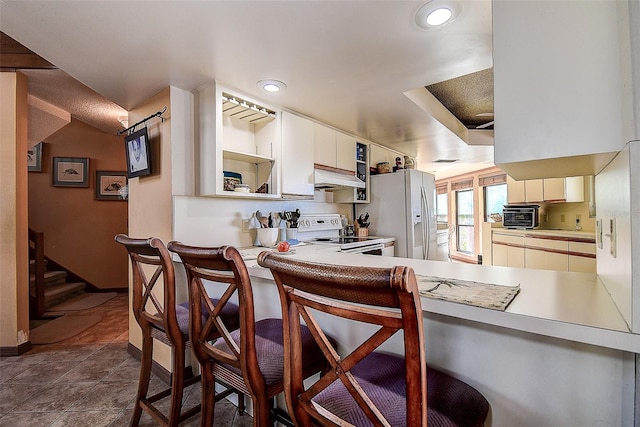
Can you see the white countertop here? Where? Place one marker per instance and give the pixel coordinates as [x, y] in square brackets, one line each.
[571, 306]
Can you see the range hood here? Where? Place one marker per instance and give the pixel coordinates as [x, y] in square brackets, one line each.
[327, 180]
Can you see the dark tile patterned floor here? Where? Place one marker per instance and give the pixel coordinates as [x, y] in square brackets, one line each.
[87, 380]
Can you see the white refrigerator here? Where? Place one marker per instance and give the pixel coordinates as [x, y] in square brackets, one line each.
[403, 206]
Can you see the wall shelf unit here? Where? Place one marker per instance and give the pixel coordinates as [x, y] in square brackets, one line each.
[239, 135]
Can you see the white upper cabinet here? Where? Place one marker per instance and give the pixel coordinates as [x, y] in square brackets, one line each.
[324, 145]
[333, 148]
[345, 152]
[381, 154]
[297, 155]
[570, 189]
[239, 142]
[564, 92]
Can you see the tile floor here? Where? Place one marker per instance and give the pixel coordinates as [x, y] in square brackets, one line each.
[86, 380]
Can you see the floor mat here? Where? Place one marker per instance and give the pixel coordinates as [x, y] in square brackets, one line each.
[84, 301]
[62, 328]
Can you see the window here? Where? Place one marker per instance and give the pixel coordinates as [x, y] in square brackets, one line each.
[495, 197]
[442, 208]
[465, 221]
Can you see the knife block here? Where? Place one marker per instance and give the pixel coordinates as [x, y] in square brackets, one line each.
[359, 231]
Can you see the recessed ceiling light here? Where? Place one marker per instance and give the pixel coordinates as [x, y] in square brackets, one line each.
[437, 13]
[439, 16]
[272, 86]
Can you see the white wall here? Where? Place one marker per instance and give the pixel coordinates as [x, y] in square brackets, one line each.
[218, 221]
[618, 198]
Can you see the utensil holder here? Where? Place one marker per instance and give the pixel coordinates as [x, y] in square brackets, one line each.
[268, 236]
[361, 232]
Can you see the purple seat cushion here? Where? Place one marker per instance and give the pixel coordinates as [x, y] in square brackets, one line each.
[450, 401]
[230, 316]
[270, 349]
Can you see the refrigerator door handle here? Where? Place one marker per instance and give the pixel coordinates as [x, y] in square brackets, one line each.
[425, 224]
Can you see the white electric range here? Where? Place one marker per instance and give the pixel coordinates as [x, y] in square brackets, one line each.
[325, 229]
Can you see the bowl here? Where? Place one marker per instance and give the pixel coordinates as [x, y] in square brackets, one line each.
[241, 188]
[267, 236]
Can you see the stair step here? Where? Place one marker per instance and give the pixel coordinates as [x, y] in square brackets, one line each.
[54, 295]
[32, 265]
[51, 278]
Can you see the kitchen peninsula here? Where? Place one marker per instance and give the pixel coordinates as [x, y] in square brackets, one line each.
[560, 345]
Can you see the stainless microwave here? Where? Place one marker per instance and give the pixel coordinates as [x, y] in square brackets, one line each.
[520, 216]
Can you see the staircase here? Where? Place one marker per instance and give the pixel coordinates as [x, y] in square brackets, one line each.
[56, 287]
[47, 288]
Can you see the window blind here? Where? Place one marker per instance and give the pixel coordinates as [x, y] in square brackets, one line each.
[483, 181]
[462, 185]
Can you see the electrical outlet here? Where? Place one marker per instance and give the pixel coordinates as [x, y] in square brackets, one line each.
[563, 218]
[245, 225]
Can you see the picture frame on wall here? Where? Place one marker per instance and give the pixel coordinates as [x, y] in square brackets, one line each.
[138, 153]
[34, 158]
[110, 185]
[70, 172]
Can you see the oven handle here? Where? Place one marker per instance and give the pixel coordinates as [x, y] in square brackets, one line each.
[361, 249]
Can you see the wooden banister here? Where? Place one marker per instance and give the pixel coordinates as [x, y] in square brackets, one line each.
[36, 251]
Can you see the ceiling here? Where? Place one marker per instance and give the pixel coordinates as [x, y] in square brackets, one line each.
[364, 67]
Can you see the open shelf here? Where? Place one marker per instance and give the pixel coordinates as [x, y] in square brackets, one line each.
[240, 109]
[246, 157]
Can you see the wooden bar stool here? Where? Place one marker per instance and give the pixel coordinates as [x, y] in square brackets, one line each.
[159, 317]
[249, 359]
[365, 387]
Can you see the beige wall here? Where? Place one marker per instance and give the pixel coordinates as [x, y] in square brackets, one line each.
[150, 200]
[78, 229]
[14, 255]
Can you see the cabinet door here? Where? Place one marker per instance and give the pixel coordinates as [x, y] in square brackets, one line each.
[324, 145]
[297, 155]
[582, 264]
[581, 257]
[515, 190]
[510, 253]
[543, 260]
[345, 152]
[553, 189]
[546, 254]
[574, 188]
[381, 154]
[499, 255]
[533, 190]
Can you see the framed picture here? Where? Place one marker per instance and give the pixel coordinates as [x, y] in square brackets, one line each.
[70, 172]
[231, 179]
[34, 158]
[138, 153]
[109, 185]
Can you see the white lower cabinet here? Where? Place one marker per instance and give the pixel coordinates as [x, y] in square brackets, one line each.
[508, 250]
[582, 257]
[544, 252]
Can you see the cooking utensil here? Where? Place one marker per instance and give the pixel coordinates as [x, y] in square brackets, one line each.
[264, 222]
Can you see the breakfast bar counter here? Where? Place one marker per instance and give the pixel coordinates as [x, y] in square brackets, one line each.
[559, 355]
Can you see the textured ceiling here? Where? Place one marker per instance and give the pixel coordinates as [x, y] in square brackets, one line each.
[469, 98]
[349, 64]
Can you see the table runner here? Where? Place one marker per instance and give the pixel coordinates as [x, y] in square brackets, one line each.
[486, 295]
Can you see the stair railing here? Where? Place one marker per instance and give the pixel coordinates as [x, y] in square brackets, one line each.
[36, 249]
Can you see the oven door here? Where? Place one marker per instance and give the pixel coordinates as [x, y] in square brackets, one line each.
[375, 249]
